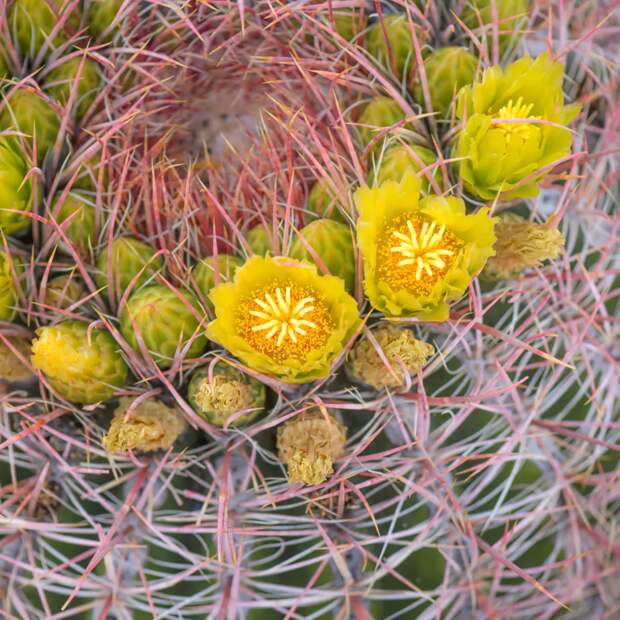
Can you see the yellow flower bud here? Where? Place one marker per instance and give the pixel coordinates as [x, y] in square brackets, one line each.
[308, 445]
[403, 352]
[521, 244]
[151, 425]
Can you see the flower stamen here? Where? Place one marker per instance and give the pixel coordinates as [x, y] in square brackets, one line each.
[515, 112]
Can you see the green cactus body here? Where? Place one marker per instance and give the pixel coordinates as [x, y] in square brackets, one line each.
[398, 160]
[165, 323]
[82, 365]
[101, 14]
[379, 112]
[227, 391]
[4, 66]
[129, 258]
[512, 16]
[204, 273]
[32, 21]
[332, 243]
[447, 70]
[60, 80]
[15, 191]
[259, 240]
[81, 229]
[28, 113]
[349, 22]
[398, 49]
[8, 290]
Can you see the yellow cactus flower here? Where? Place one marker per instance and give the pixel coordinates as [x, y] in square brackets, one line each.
[281, 318]
[151, 425]
[308, 445]
[515, 124]
[419, 254]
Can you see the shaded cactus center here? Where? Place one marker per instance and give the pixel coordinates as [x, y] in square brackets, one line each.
[516, 125]
[414, 253]
[285, 321]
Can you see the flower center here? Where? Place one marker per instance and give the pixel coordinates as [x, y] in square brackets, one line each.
[414, 253]
[515, 112]
[285, 321]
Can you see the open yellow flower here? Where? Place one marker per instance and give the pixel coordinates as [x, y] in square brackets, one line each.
[419, 254]
[515, 125]
[281, 318]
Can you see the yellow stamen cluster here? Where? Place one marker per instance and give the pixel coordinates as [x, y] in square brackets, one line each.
[414, 253]
[515, 112]
[285, 321]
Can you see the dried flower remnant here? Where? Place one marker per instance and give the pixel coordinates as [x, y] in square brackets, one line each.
[308, 445]
[403, 356]
[514, 125]
[219, 393]
[12, 368]
[419, 254]
[82, 365]
[521, 244]
[150, 425]
[283, 319]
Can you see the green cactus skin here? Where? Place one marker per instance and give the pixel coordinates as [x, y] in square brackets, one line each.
[8, 290]
[349, 22]
[81, 229]
[101, 15]
[4, 66]
[230, 390]
[129, 257]
[28, 113]
[31, 22]
[259, 240]
[400, 43]
[379, 112]
[60, 80]
[511, 15]
[333, 244]
[447, 70]
[88, 175]
[83, 366]
[397, 160]
[323, 203]
[15, 193]
[63, 291]
[164, 322]
[203, 273]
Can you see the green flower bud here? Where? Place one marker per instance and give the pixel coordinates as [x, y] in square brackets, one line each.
[63, 291]
[60, 81]
[12, 369]
[32, 21]
[9, 269]
[101, 14]
[15, 191]
[150, 425]
[81, 229]
[397, 160]
[380, 112]
[349, 22]
[227, 392]
[447, 70]
[308, 445]
[130, 257]
[208, 273]
[82, 365]
[398, 51]
[333, 244]
[28, 113]
[521, 244]
[512, 16]
[324, 203]
[400, 348]
[259, 240]
[165, 321]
